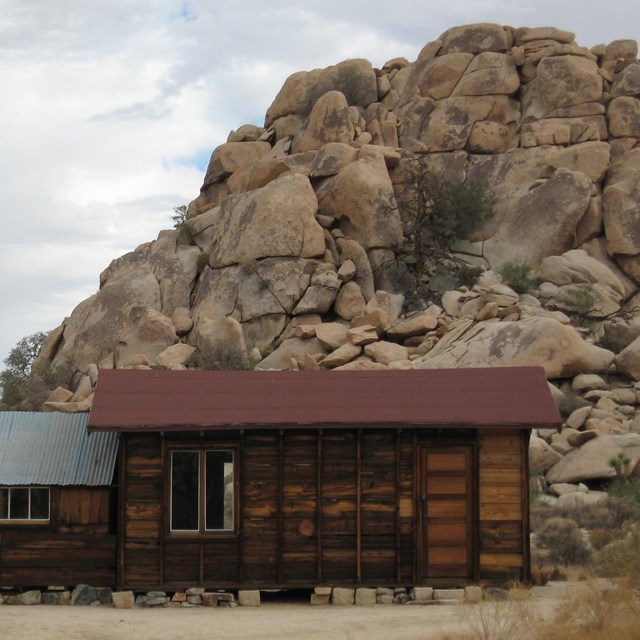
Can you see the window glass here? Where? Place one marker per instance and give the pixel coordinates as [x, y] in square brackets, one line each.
[219, 490]
[18, 504]
[39, 504]
[4, 504]
[185, 472]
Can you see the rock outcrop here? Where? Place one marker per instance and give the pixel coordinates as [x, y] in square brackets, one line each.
[298, 252]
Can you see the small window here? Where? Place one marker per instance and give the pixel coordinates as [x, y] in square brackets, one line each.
[24, 503]
[202, 490]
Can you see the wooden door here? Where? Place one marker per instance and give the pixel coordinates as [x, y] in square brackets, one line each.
[446, 496]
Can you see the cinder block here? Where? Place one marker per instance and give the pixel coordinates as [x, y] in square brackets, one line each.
[365, 596]
[123, 599]
[249, 598]
[422, 594]
[342, 596]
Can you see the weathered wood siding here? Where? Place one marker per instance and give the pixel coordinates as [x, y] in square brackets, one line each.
[332, 507]
[77, 546]
[504, 508]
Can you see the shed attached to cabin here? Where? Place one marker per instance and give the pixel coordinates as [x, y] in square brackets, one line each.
[57, 501]
[236, 479]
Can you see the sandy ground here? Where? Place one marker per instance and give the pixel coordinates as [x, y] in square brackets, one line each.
[271, 621]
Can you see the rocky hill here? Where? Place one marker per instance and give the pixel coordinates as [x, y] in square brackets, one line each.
[300, 251]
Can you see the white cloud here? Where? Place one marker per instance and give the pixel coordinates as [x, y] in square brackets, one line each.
[108, 108]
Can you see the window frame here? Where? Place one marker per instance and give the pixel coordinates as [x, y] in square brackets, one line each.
[201, 449]
[8, 521]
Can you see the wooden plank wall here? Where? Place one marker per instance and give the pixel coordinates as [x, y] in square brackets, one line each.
[76, 547]
[332, 507]
[362, 532]
[503, 505]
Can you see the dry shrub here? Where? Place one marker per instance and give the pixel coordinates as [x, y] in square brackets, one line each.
[600, 538]
[499, 619]
[563, 542]
[541, 574]
[621, 558]
[594, 613]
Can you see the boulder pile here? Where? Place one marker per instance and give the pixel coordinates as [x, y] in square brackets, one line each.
[289, 256]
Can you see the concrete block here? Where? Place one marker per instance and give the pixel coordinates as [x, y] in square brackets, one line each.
[123, 599]
[342, 596]
[422, 594]
[319, 599]
[249, 598]
[384, 598]
[322, 591]
[365, 596]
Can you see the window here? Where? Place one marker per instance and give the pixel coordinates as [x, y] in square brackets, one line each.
[202, 490]
[24, 503]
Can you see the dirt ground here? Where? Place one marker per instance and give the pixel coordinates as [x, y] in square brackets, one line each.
[270, 621]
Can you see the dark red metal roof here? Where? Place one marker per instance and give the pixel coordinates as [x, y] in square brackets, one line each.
[150, 400]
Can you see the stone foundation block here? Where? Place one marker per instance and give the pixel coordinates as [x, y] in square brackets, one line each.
[422, 594]
[31, 597]
[249, 598]
[179, 596]
[341, 596]
[320, 599]
[448, 594]
[123, 599]
[195, 591]
[322, 591]
[365, 596]
[473, 594]
[194, 599]
[83, 595]
[384, 598]
[210, 599]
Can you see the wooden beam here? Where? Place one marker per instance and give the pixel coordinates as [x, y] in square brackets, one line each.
[122, 530]
[319, 506]
[526, 542]
[240, 520]
[398, 489]
[359, 507]
[280, 481]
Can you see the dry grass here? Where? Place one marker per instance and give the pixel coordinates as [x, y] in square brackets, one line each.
[596, 614]
[495, 619]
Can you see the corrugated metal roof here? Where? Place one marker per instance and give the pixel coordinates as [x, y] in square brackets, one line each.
[146, 400]
[54, 449]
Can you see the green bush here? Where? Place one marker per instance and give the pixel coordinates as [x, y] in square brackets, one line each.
[578, 299]
[517, 275]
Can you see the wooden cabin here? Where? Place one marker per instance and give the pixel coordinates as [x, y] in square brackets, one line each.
[244, 479]
[57, 501]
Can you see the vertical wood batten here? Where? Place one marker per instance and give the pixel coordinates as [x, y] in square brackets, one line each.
[280, 480]
[526, 541]
[359, 507]
[164, 512]
[121, 528]
[319, 506]
[417, 510]
[240, 520]
[398, 491]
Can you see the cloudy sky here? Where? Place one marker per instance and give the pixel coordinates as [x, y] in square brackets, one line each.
[110, 111]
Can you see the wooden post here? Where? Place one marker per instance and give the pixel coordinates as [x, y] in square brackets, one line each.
[398, 547]
[122, 528]
[319, 506]
[359, 507]
[280, 504]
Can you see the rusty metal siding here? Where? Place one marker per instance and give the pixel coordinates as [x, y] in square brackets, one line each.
[54, 449]
[143, 400]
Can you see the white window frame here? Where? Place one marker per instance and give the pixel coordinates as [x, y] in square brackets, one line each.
[9, 489]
